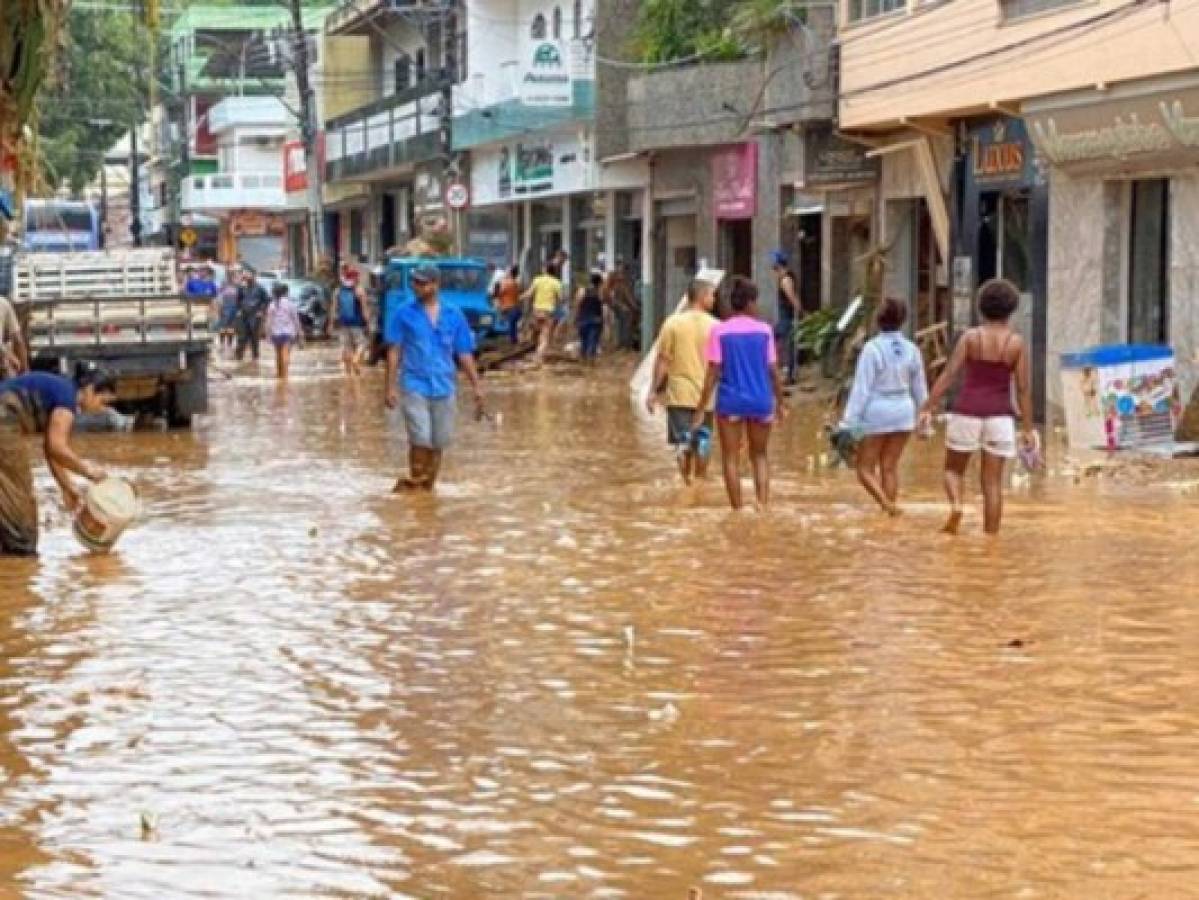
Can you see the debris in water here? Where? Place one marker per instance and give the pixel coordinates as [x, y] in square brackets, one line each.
[630, 637]
[312, 531]
[668, 713]
[1015, 644]
[149, 825]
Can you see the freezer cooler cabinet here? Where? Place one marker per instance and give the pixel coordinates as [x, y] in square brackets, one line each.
[1120, 397]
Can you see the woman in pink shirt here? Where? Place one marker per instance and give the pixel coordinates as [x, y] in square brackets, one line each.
[743, 372]
[284, 328]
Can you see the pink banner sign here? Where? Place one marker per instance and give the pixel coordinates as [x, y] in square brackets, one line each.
[735, 182]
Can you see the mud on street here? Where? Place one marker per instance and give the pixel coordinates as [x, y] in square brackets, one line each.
[564, 675]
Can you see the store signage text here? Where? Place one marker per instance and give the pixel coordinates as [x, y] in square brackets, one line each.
[1131, 129]
[830, 159]
[547, 81]
[1000, 154]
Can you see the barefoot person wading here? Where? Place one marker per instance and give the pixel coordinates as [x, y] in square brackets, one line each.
[679, 372]
[433, 341]
[743, 373]
[888, 388]
[993, 357]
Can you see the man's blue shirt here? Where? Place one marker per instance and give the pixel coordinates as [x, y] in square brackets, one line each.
[430, 352]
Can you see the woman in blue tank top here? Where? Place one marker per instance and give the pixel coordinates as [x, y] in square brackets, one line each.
[888, 389]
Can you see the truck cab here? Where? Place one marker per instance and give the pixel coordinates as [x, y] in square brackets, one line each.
[465, 285]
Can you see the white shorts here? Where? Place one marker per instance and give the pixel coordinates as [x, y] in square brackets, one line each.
[994, 434]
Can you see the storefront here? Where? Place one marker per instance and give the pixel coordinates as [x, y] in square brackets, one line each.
[534, 197]
[1002, 229]
[1123, 215]
[256, 239]
[827, 222]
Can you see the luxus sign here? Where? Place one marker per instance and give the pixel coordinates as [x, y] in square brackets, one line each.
[546, 79]
[1138, 128]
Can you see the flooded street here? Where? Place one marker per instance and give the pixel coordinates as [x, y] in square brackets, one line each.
[567, 676]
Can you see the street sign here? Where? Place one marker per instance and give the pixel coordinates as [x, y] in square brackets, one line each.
[457, 195]
[188, 237]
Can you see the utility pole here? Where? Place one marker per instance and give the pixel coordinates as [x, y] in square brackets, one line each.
[104, 203]
[309, 129]
[135, 188]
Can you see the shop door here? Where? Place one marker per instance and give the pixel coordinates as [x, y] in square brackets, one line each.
[736, 247]
[810, 251]
[388, 236]
[675, 252]
[1149, 262]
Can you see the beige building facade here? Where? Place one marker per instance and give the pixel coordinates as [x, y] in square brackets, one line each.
[1056, 143]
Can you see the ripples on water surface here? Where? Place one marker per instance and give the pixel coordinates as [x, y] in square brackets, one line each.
[565, 676]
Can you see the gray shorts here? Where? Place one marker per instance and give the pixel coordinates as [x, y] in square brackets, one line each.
[430, 422]
[678, 424]
[352, 338]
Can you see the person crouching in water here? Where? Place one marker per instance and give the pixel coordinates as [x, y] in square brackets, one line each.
[743, 373]
[283, 327]
[993, 357]
[888, 389]
[679, 372]
[42, 402]
[434, 340]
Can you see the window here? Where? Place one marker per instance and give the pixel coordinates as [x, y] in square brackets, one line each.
[868, 9]
[557, 23]
[576, 28]
[1018, 9]
[420, 65]
[537, 31]
[403, 74]
[1149, 262]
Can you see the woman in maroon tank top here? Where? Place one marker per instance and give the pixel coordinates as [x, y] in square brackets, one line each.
[994, 359]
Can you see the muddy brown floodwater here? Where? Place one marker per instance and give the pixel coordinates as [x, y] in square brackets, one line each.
[565, 676]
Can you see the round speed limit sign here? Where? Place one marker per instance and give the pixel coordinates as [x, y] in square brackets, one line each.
[457, 195]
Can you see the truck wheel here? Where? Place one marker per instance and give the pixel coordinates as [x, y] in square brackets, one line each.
[189, 397]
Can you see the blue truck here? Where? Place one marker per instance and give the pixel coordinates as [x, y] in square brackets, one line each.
[465, 284]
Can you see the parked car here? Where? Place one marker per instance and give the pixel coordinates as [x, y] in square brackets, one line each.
[464, 284]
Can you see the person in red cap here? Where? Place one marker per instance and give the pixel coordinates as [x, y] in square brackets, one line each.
[350, 317]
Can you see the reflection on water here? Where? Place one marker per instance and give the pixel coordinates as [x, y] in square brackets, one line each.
[566, 676]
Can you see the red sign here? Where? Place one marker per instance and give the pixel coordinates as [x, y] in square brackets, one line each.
[295, 167]
[735, 182]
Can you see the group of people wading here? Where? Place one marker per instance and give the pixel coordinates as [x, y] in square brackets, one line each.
[709, 374]
[727, 374]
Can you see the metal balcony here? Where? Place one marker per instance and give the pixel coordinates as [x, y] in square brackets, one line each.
[391, 134]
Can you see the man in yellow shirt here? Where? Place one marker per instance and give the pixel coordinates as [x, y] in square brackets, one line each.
[679, 373]
[546, 293]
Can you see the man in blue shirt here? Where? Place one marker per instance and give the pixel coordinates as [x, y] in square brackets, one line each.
[433, 341]
[200, 283]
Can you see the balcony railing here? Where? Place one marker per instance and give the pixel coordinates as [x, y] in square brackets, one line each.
[248, 112]
[391, 133]
[247, 190]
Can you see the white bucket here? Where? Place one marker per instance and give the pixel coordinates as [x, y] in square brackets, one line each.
[109, 508]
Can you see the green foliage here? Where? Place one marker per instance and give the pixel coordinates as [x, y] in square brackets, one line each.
[817, 334]
[668, 30]
[101, 92]
[717, 30]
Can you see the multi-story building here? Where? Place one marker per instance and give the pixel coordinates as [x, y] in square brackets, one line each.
[216, 52]
[387, 145]
[245, 194]
[730, 179]
[1050, 142]
[539, 117]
